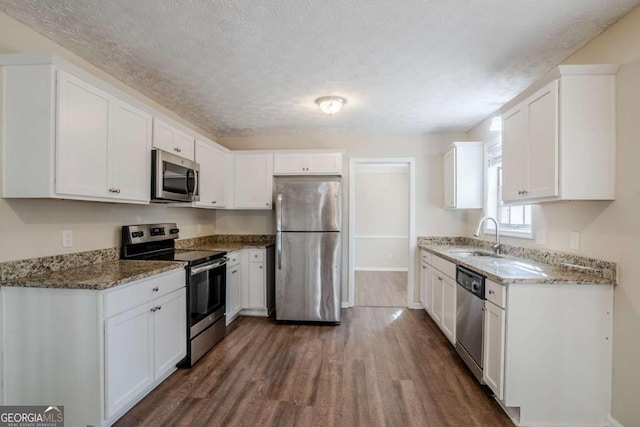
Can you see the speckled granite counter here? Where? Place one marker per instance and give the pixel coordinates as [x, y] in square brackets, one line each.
[99, 276]
[227, 242]
[522, 265]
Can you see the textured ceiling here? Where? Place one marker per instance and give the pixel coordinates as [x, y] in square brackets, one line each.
[245, 67]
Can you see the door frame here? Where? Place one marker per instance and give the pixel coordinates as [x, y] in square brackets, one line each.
[412, 240]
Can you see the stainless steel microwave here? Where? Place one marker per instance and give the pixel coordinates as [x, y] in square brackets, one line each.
[173, 178]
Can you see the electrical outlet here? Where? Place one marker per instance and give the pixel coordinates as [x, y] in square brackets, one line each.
[574, 240]
[541, 237]
[67, 238]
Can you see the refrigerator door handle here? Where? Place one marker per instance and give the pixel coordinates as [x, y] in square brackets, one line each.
[279, 212]
[279, 249]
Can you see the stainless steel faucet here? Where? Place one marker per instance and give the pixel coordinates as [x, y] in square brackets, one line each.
[496, 245]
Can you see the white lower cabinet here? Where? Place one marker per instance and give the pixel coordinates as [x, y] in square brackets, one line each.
[547, 352]
[449, 308]
[234, 283]
[442, 287]
[97, 352]
[425, 286]
[129, 357]
[258, 284]
[494, 332]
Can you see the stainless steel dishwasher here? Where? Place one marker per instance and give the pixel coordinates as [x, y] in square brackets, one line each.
[470, 319]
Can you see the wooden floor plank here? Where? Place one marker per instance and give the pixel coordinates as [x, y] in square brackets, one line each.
[380, 289]
[380, 367]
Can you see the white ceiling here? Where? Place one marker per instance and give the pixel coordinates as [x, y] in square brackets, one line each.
[245, 67]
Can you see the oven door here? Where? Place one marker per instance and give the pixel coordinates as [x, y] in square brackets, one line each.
[206, 294]
[173, 178]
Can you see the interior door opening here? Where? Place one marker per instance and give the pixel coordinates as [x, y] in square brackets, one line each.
[381, 232]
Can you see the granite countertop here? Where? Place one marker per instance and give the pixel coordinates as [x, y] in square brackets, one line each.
[229, 246]
[508, 269]
[99, 276]
[227, 242]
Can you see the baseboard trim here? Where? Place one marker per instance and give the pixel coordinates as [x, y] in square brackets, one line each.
[416, 305]
[380, 269]
[612, 422]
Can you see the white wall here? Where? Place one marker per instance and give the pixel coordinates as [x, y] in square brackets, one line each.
[381, 208]
[426, 149]
[32, 228]
[608, 230]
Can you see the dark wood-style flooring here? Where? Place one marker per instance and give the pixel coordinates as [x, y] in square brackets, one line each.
[380, 289]
[379, 367]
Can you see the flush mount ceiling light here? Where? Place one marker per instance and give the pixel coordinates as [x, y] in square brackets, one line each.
[331, 104]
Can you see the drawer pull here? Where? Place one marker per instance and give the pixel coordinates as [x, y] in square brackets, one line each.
[156, 289]
[159, 307]
[491, 292]
[153, 310]
[234, 271]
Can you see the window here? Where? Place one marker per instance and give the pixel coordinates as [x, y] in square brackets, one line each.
[515, 220]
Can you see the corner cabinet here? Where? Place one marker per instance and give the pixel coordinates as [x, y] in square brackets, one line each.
[253, 181]
[72, 139]
[307, 164]
[214, 169]
[464, 176]
[559, 143]
[96, 352]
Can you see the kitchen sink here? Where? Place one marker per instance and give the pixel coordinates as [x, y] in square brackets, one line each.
[466, 253]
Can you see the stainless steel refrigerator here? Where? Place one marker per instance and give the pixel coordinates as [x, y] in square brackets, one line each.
[308, 248]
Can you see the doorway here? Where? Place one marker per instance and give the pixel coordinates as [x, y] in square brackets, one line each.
[381, 232]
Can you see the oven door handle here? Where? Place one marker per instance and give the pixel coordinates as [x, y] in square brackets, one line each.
[215, 264]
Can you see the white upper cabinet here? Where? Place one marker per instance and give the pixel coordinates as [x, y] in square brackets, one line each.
[129, 163]
[214, 166]
[464, 175]
[559, 143]
[82, 146]
[307, 164]
[72, 139]
[168, 138]
[253, 181]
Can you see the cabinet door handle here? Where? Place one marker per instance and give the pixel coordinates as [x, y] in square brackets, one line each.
[153, 310]
[178, 150]
[156, 289]
[234, 271]
[260, 267]
[213, 202]
[491, 292]
[159, 307]
[268, 203]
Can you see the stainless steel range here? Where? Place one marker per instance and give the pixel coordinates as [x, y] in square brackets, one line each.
[206, 282]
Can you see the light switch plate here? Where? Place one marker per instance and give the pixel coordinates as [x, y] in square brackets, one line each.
[67, 238]
[541, 237]
[574, 240]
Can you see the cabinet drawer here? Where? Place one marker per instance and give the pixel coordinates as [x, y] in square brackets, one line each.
[447, 267]
[426, 256]
[143, 291]
[256, 255]
[496, 293]
[234, 258]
